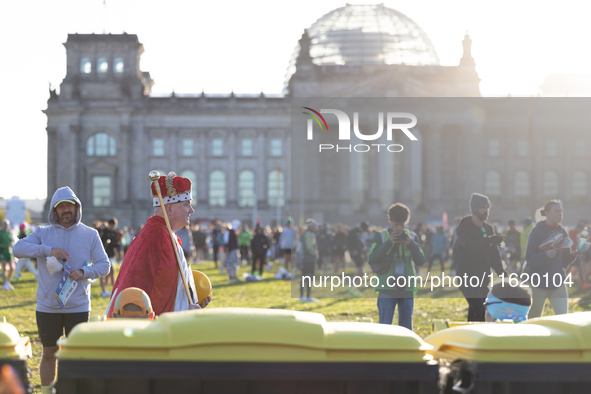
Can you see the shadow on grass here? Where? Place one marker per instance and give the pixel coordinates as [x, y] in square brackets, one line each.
[19, 305]
[218, 285]
[313, 306]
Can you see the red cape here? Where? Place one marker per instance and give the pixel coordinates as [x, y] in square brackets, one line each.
[150, 264]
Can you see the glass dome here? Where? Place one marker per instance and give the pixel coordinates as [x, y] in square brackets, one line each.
[367, 34]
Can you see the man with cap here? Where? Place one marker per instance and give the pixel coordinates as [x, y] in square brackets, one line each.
[68, 240]
[477, 251]
[150, 263]
[133, 303]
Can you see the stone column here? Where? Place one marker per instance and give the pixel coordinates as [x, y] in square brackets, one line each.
[124, 174]
[231, 170]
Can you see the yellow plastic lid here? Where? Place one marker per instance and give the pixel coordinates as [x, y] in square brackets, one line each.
[242, 334]
[564, 338]
[12, 345]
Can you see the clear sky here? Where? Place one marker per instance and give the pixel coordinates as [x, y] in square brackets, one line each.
[246, 46]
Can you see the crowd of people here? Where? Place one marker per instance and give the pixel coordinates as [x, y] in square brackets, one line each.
[156, 259]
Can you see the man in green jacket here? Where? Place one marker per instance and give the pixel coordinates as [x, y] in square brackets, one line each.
[393, 256]
[244, 238]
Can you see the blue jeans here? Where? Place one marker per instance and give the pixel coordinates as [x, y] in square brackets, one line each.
[387, 307]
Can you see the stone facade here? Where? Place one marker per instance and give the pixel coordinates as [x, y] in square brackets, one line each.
[113, 105]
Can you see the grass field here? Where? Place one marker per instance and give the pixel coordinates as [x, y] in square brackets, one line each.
[18, 306]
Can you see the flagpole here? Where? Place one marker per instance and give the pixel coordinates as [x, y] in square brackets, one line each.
[104, 16]
[254, 205]
[278, 196]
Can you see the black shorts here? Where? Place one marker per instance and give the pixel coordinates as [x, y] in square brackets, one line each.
[51, 325]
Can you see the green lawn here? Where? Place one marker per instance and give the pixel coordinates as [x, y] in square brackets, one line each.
[18, 306]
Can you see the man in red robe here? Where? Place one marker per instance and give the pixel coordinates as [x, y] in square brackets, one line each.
[150, 262]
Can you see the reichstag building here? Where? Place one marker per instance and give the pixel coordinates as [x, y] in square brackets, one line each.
[106, 132]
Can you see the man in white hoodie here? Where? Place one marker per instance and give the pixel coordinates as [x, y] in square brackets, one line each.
[68, 240]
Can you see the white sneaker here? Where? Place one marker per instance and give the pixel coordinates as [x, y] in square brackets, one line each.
[106, 294]
[303, 299]
[7, 286]
[312, 300]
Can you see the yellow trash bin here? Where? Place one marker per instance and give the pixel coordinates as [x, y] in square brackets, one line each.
[544, 355]
[14, 351]
[240, 350]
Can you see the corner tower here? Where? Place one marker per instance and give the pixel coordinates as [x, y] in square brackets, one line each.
[104, 66]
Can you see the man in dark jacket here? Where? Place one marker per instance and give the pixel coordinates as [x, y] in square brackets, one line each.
[110, 242]
[324, 240]
[477, 251]
[358, 253]
[259, 245]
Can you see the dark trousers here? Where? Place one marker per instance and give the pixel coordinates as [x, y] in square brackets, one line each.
[307, 270]
[216, 250]
[244, 252]
[475, 297]
[436, 257]
[256, 258]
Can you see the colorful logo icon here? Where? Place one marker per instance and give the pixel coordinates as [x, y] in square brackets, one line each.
[315, 118]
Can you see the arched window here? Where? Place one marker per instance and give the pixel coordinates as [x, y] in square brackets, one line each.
[246, 188]
[118, 65]
[85, 65]
[579, 184]
[521, 184]
[276, 188]
[550, 184]
[102, 65]
[190, 174]
[101, 144]
[217, 188]
[492, 184]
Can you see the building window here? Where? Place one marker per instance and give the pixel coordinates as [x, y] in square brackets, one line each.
[118, 65]
[158, 147]
[492, 184]
[246, 188]
[102, 65]
[188, 149]
[247, 147]
[190, 174]
[579, 185]
[522, 148]
[85, 65]
[580, 148]
[217, 147]
[101, 144]
[521, 184]
[494, 148]
[550, 184]
[217, 189]
[101, 191]
[551, 148]
[276, 147]
[275, 188]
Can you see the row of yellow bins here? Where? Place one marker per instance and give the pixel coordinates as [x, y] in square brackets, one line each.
[275, 351]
